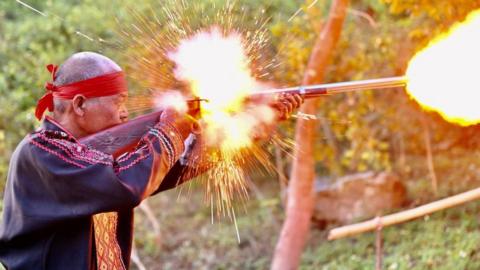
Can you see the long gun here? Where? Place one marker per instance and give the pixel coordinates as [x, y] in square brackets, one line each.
[313, 91]
[121, 138]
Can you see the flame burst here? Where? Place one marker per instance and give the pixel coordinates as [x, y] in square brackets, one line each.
[443, 77]
[216, 67]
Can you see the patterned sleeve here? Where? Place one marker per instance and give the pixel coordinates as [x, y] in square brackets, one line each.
[68, 179]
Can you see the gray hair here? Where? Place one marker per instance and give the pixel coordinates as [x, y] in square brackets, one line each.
[78, 67]
[84, 65]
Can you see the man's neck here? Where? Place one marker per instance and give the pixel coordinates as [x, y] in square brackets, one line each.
[70, 126]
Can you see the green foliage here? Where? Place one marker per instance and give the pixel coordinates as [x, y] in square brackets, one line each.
[446, 240]
[29, 42]
[371, 130]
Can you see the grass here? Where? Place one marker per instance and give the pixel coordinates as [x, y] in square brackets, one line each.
[445, 240]
[190, 241]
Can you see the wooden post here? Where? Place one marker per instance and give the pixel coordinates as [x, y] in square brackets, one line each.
[428, 148]
[378, 245]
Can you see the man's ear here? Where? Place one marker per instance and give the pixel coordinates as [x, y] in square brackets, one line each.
[78, 103]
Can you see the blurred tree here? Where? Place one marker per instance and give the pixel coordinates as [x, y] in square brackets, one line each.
[300, 202]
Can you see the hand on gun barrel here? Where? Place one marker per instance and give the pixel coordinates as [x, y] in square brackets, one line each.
[184, 123]
[285, 104]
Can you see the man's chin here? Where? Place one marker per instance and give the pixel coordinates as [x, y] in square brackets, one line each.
[99, 129]
[113, 125]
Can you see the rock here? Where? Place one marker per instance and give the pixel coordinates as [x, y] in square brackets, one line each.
[358, 196]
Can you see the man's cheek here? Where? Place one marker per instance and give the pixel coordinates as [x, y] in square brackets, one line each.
[113, 117]
[101, 120]
[107, 114]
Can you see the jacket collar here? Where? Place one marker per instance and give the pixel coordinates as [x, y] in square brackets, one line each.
[52, 127]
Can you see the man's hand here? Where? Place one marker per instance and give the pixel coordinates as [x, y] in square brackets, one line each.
[285, 104]
[184, 123]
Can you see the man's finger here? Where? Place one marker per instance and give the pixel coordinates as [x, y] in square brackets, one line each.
[299, 99]
[293, 101]
[285, 113]
[286, 107]
[287, 102]
[281, 109]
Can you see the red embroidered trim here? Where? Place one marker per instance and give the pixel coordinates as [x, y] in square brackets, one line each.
[140, 151]
[165, 134]
[170, 154]
[125, 156]
[140, 158]
[60, 126]
[172, 134]
[32, 141]
[165, 144]
[71, 150]
[108, 250]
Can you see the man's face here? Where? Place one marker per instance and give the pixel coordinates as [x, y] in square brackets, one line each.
[104, 112]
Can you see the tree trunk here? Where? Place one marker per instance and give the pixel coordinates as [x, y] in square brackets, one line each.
[300, 191]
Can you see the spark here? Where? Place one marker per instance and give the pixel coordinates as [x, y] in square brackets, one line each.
[236, 226]
[304, 116]
[300, 10]
[84, 35]
[31, 8]
[59, 18]
[211, 209]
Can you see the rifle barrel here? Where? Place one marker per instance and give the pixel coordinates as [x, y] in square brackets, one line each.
[311, 91]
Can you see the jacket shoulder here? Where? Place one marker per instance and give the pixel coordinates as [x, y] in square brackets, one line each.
[57, 146]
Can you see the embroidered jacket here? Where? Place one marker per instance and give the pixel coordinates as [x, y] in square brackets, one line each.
[67, 206]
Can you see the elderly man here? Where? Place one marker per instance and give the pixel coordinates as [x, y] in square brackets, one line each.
[67, 206]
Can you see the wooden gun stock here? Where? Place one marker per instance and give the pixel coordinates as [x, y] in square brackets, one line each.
[122, 138]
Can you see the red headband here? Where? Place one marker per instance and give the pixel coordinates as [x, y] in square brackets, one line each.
[101, 86]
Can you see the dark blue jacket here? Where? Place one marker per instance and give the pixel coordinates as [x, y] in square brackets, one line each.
[55, 185]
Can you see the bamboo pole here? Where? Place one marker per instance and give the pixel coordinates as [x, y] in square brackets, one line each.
[370, 225]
